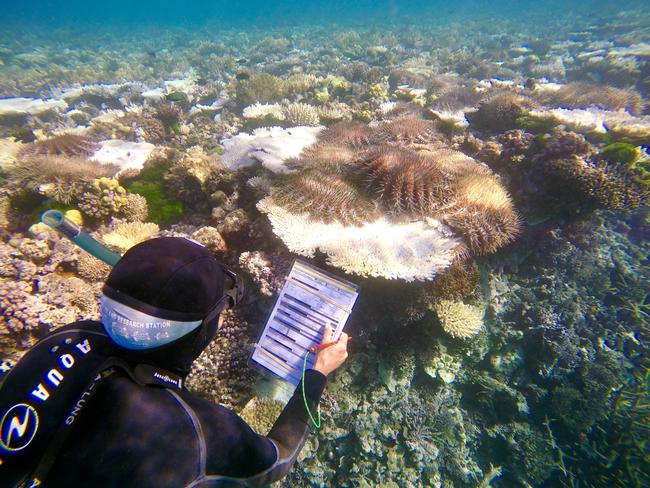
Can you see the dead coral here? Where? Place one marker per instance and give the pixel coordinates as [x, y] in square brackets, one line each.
[169, 115]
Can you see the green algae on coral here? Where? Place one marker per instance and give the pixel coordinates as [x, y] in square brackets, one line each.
[640, 172]
[150, 184]
[621, 152]
[536, 126]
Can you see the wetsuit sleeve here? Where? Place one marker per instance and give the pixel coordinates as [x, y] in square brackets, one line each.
[290, 430]
[237, 454]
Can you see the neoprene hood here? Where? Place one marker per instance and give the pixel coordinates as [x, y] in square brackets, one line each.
[159, 302]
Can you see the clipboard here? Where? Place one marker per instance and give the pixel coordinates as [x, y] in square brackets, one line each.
[310, 299]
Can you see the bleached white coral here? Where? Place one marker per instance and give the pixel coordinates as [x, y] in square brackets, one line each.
[596, 121]
[409, 251]
[29, 106]
[641, 50]
[262, 111]
[452, 118]
[334, 112]
[9, 149]
[125, 154]
[185, 85]
[268, 145]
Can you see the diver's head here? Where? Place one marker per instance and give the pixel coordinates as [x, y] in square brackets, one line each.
[162, 300]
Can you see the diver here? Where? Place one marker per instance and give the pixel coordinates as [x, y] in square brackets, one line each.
[111, 392]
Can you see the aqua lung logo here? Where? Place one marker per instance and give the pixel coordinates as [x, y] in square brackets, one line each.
[19, 426]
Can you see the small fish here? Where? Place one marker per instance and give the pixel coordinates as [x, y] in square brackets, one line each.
[176, 97]
[151, 54]
[241, 61]
[242, 75]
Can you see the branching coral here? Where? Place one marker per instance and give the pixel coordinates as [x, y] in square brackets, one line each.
[69, 145]
[261, 413]
[301, 114]
[186, 178]
[602, 185]
[10, 148]
[412, 250]
[267, 271]
[334, 112]
[125, 236]
[222, 373]
[458, 319]
[325, 197]
[264, 113]
[103, 198]
[434, 183]
[92, 269]
[262, 88]
[135, 209]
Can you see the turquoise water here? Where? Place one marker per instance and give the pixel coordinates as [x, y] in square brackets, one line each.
[510, 350]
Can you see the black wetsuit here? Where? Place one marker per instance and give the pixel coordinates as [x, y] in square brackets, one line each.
[131, 435]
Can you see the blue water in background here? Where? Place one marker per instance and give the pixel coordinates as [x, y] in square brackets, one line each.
[264, 13]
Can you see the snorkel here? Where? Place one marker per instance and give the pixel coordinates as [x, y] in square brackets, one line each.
[72, 231]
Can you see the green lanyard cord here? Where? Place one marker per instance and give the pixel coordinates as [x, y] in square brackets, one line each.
[304, 396]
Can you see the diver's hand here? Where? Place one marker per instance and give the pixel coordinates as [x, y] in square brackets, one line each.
[331, 357]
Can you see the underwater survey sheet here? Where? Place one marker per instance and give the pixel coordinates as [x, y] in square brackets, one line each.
[310, 299]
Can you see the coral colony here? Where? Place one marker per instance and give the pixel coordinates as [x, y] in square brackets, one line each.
[487, 186]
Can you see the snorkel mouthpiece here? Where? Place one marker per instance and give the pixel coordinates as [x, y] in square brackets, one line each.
[72, 231]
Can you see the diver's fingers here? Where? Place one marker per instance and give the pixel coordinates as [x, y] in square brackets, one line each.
[344, 339]
[327, 334]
